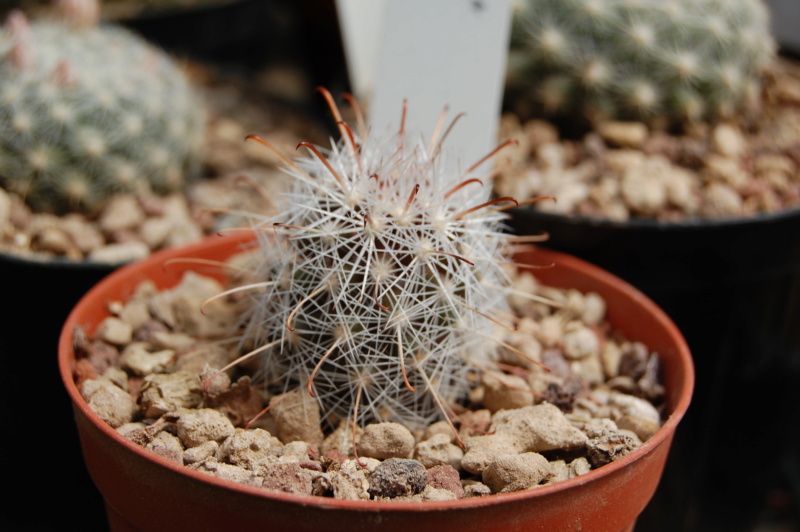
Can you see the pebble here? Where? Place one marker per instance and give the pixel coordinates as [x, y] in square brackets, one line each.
[200, 453]
[516, 472]
[248, 448]
[114, 331]
[728, 140]
[579, 342]
[287, 477]
[504, 392]
[297, 418]
[539, 428]
[120, 253]
[197, 426]
[167, 392]
[723, 200]
[167, 446]
[473, 488]
[121, 212]
[634, 407]
[341, 439]
[135, 313]
[5, 212]
[55, 240]
[138, 359]
[229, 472]
[445, 477]
[643, 187]
[608, 447]
[386, 440]
[113, 404]
[396, 477]
[180, 307]
[623, 134]
[438, 450]
[349, 482]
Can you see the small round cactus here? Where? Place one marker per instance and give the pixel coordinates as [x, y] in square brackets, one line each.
[381, 280]
[87, 111]
[640, 59]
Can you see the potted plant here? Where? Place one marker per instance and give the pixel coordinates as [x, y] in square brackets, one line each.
[377, 292]
[88, 111]
[662, 178]
[103, 145]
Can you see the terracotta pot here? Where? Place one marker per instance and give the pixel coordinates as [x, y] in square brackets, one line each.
[146, 492]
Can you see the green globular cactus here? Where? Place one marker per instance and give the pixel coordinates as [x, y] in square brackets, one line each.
[640, 59]
[90, 110]
[382, 280]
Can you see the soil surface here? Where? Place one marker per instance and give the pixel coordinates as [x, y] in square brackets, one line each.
[566, 396]
[623, 170]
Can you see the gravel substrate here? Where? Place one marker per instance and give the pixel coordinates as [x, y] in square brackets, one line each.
[149, 372]
[624, 170]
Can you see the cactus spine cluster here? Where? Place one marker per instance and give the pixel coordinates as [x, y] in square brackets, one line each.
[89, 110]
[381, 280]
[638, 59]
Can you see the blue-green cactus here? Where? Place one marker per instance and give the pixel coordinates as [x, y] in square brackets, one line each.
[640, 59]
[87, 111]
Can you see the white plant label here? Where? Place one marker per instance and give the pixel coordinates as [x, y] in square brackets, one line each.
[434, 55]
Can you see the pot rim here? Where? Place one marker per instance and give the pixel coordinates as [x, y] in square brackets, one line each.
[66, 355]
[651, 224]
[57, 262]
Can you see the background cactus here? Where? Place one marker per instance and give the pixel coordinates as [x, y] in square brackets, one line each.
[639, 59]
[384, 282]
[87, 111]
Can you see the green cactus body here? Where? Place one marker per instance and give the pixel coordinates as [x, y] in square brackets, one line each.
[88, 112]
[381, 283]
[639, 59]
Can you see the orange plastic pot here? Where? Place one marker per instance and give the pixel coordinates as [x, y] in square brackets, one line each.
[148, 493]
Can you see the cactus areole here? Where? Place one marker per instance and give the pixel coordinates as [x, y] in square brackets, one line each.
[382, 279]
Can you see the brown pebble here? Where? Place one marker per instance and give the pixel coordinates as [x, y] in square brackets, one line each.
[446, 478]
[396, 477]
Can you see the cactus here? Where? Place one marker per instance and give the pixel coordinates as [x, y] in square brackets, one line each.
[640, 59]
[382, 279]
[87, 111]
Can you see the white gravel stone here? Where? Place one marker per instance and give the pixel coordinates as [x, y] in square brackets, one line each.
[168, 446]
[112, 404]
[196, 427]
[634, 407]
[624, 134]
[168, 392]
[504, 392]
[438, 450]
[201, 453]
[138, 359]
[248, 448]
[120, 253]
[121, 212]
[114, 331]
[580, 342]
[728, 140]
[516, 472]
[386, 440]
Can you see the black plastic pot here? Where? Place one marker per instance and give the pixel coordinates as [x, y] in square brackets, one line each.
[41, 451]
[733, 288]
[249, 34]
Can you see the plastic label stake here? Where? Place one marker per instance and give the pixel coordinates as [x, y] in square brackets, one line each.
[435, 55]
